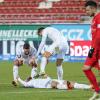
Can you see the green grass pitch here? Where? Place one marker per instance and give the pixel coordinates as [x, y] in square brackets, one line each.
[72, 72]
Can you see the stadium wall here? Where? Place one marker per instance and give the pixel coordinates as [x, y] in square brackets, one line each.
[13, 36]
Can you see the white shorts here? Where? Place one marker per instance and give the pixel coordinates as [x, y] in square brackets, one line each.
[61, 50]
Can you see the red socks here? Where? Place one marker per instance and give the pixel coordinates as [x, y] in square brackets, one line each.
[91, 77]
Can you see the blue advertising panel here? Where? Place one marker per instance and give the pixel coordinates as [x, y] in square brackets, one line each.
[78, 35]
[75, 31]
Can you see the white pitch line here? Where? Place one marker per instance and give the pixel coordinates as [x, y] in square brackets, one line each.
[5, 83]
[32, 92]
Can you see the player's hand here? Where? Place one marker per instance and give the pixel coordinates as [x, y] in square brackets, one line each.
[32, 62]
[91, 51]
[47, 54]
[21, 61]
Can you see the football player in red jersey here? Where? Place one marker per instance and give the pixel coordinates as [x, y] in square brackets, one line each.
[93, 59]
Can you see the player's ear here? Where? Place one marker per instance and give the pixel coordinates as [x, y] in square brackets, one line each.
[40, 30]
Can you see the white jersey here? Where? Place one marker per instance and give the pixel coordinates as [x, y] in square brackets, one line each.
[39, 83]
[20, 53]
[47, 83]
[58, 39]
[43, 83]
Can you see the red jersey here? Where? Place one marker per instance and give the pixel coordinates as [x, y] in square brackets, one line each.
[95, 30]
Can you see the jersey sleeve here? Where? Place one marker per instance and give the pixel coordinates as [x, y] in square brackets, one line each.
[34, 51]
[97, 37]
[44, 37]
[18, 54]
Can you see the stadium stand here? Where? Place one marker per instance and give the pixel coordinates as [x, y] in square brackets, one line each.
[41, 11]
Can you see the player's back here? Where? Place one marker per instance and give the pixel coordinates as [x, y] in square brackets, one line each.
[54, 34]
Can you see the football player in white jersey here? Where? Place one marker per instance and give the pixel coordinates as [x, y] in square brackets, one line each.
[26, 55]
[47, 82]
[59, 44]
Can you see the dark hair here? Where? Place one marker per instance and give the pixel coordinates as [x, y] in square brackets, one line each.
[26, 46]
[91, 3]
[40, 29]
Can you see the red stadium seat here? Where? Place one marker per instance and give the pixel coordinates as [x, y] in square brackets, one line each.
[27, 11]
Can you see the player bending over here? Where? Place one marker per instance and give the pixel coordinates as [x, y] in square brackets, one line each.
[52, 83]
[25, 55]
[59, 45]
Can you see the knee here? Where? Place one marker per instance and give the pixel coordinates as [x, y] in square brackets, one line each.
[47, 54]
[33, 64]
[59, 62]
[85, 67]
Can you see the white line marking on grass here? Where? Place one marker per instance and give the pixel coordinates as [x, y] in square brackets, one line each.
[13, 92]
[5, 83]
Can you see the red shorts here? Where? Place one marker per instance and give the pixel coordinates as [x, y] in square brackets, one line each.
[93, 62]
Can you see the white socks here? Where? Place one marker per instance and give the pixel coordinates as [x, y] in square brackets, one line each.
[43, 64]
[81, 86]
[60, 72]
[33, 72]
[15, 72]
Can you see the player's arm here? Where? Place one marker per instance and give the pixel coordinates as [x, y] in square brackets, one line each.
[41, 44]
[18, 60]
[99, 62]
[33, 60]
[23, 83]
[97, 38]
[34, 51]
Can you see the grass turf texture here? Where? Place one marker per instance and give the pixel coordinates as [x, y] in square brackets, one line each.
[72, 72]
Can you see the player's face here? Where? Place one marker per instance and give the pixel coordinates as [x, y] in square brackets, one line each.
[40, 33]
[26, 51]
[90, 11]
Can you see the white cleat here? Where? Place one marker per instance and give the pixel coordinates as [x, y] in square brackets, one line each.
[96, 96]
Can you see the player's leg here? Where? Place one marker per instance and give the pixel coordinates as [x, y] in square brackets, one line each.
[60, 56]
[91, 60]
[17, 63]
[44, 61]
[59, 68]
[76, 85]
[92, 78]
[90, 75]
[33, 64]
[24, 83]
[62, 84]
[45, 55]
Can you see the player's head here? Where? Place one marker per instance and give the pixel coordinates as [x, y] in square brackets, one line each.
[39, 32]
[26, 48]
[91, 7]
